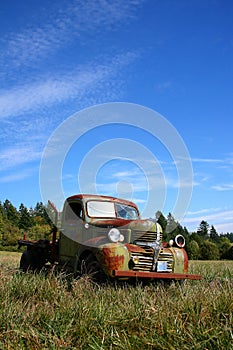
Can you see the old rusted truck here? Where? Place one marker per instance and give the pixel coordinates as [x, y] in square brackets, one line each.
[105, 237]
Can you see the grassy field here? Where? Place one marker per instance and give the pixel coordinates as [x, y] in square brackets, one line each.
[39, 312]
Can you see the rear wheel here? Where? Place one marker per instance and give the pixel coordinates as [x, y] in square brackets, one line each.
[30, 260]
[26, 261]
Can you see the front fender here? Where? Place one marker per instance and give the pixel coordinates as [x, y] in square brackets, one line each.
[113, 256]
[180, 260]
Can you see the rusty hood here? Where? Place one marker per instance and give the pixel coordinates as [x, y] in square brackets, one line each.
[135, 225]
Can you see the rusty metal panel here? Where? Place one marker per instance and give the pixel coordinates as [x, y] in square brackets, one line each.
[180, 260]
[113, 257]
[156, 275]
[67, 246]
[134, 248]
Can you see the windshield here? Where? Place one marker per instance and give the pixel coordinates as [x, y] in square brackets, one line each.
[102, 209]
[126, 212]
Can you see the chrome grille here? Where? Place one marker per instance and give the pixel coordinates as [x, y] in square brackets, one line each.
[168, 257]
[148, 236]
[143, 261]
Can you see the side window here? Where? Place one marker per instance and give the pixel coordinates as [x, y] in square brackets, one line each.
[73, 211]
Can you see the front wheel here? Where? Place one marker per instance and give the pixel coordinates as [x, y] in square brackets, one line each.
[92, 268]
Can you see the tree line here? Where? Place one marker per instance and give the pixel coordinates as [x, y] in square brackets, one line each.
[33, 222]
[205, 243]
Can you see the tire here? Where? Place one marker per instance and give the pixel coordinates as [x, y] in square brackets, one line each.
[31, 261]
[92, 268]
[26, 261]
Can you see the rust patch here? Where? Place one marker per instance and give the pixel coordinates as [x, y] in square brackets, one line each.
[114, 222]
[185, 261]
[112, 260]
[134, 248]
[167, 250]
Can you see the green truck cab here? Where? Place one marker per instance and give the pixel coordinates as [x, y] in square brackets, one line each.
[105, 237]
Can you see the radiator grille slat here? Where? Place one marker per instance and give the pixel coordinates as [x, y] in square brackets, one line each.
[143, 261]
[148, 236]
[168, 257]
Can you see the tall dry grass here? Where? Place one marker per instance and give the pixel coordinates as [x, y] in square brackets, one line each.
[53, 312]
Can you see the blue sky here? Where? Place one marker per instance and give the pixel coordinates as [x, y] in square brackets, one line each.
[173, 57]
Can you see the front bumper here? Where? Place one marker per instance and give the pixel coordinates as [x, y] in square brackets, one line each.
[155, 275]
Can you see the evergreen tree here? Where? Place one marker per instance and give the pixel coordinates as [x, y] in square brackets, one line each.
[214, 235]
[184, 232]
[203, 229]
[11, 213]
[171, 224]
[195, 237]
[161, 220]
[40, 211]
[26, 220]
[1, 209]
[174, 228]
[229, 236]
[1, 225]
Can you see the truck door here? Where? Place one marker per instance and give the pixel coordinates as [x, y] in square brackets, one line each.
[71, 230]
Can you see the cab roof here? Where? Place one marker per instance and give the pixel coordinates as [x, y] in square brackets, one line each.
[87, 197]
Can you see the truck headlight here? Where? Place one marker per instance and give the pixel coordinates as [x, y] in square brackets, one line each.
[114, 235]
[180, 241]
[171, 242]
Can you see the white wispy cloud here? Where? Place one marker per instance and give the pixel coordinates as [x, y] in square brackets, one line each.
[150, 180]
[221, 219]
[209, 172]
[225, 161]
[207, 160]
[28, 115]
[52, 31]
[203, 211]
[17, 155]
[184, 183]
[76, 84]
[17, 176]
[223, 187]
